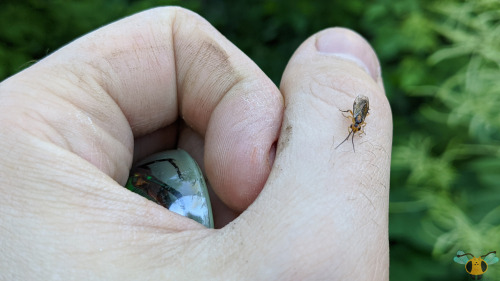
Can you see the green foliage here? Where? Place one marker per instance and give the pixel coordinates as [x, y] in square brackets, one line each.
[449, 166]
[441, 64]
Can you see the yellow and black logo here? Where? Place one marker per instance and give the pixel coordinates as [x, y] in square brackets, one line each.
[476, 267]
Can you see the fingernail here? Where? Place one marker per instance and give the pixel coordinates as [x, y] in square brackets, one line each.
[349, 45]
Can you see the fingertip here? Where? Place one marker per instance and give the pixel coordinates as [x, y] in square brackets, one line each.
[350, 45]
[241, 140]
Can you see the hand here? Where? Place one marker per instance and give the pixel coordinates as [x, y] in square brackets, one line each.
[72, 123]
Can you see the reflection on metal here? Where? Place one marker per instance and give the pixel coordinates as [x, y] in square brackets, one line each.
[174, 180]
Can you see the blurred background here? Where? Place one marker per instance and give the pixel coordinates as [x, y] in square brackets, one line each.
[441, 68]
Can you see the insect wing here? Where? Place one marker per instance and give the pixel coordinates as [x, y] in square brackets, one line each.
[460, 258]
[491, 258]
[360, 106]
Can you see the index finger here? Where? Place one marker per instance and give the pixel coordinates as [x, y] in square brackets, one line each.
[141, 74]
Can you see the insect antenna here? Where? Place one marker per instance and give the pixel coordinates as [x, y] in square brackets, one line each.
[347, 139]
[352, 140]
[492, 252]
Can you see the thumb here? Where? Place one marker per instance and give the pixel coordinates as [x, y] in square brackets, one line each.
[322, 203]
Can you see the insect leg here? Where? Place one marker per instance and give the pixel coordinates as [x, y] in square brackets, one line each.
[169, 160]
[350, 112]
[179, 174]
[361, 128]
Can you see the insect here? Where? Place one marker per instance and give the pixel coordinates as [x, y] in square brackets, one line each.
[476, 267]
[357, 116]
[173, 180]
[145, 183]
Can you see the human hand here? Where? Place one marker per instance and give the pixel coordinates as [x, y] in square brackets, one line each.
[72, 123]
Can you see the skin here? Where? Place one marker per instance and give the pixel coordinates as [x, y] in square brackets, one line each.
[288, 205]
